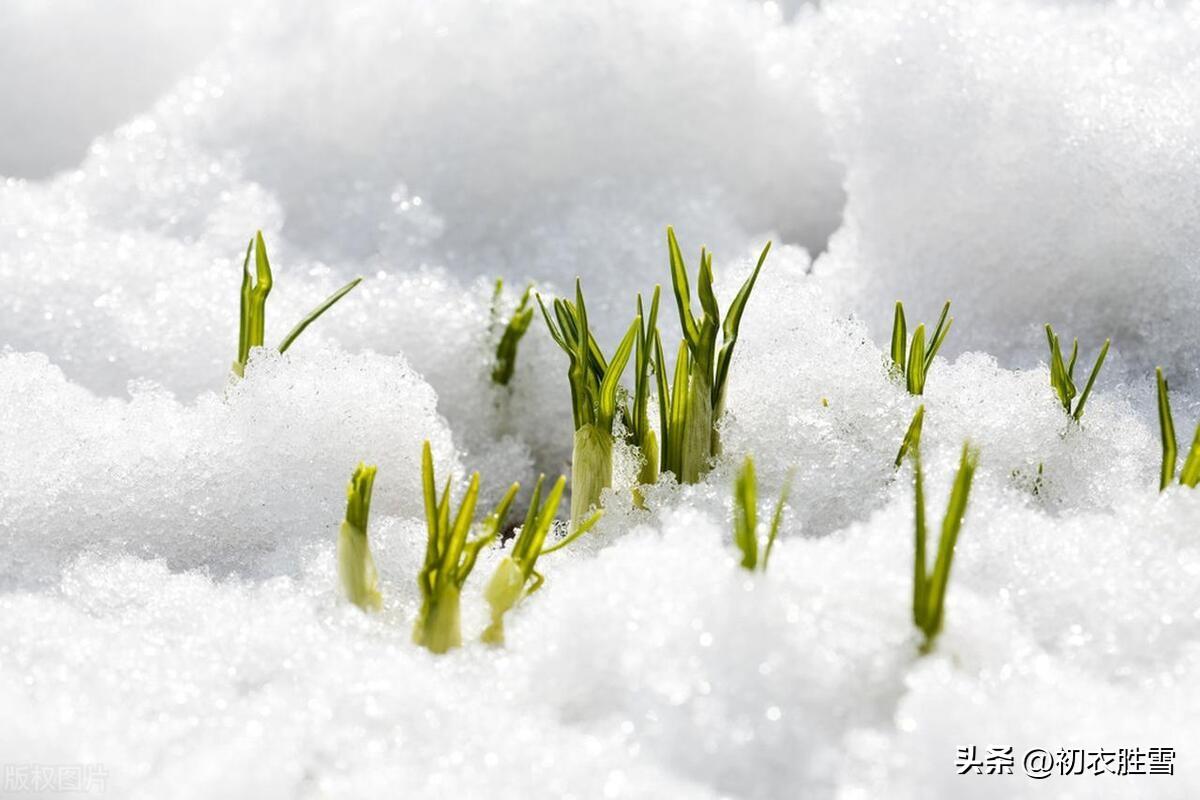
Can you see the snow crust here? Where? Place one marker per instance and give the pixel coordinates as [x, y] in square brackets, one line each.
[169, 604]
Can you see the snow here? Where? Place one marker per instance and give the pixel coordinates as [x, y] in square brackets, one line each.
[169, 603]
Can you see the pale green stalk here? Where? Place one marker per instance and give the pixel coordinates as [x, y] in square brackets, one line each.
[356, 567]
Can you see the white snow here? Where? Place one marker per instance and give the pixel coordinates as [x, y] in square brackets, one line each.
[169, 603]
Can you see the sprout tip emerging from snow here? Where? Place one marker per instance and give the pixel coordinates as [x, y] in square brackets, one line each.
[253, 316]
[745, 517]
[929, 588]
[912, 359]
[1062, 376]
[506, 349]
[449, 556]
[515, 576]
[356, 567]
[594, 383]
[707, 369]
[1190, 474]
[912, 435]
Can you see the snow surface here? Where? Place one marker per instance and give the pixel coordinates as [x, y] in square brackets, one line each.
[169, 605]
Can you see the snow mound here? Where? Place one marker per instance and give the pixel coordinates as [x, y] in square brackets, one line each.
[233, 483]
[1033, 162]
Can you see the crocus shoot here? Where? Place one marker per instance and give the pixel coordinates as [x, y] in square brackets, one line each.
[515, 576]
[745, 518]
[518, 324]
[594, 384]
[253, 317]
[929, 588]
[1190, 475]
[449, 556]
[912, 359]
[356, 567]
[708, 369]
[1062, 376]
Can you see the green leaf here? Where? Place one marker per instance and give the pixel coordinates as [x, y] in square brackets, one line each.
[1190, 474]
[939, 335]
[506, 348]
[745, 514]
[777, 517]
[683, 291]
[899, 338]
[1087, 390]
[733, 321]
[951, 524]
[1167, 432]
[612, 378]
[316, 312]
[912, 437]
[915, 375]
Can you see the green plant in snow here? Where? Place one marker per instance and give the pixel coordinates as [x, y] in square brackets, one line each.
[449, 556]
[912, 435]
[912, 359]
[745, 517]
[253, 317]
[518, 324]
[707, 369]
[1062, 376]
[515, 577]
[1190, 475]
[594, 383]
[929, 588]
[356, 567]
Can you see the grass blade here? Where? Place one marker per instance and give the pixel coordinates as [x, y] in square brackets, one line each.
[1091, 381]
[316, 312]
[912, 437]
[745, 514]
[1167, 431]
[899, 338]
[915, 376]
[939, 335]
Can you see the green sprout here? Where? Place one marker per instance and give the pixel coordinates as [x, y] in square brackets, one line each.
[912, 435]
[253, 318]
[672, 406]
[518, 324]
[515, 577]
[913, 359]
[1062, 375]
[708, 369]
[449, 556]
[640, 434]
[1190, 475]
[356, 567]
[594, 384]
[929, 589]
[745, 517]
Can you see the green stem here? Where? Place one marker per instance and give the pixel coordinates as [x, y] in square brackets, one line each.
[438, 627]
